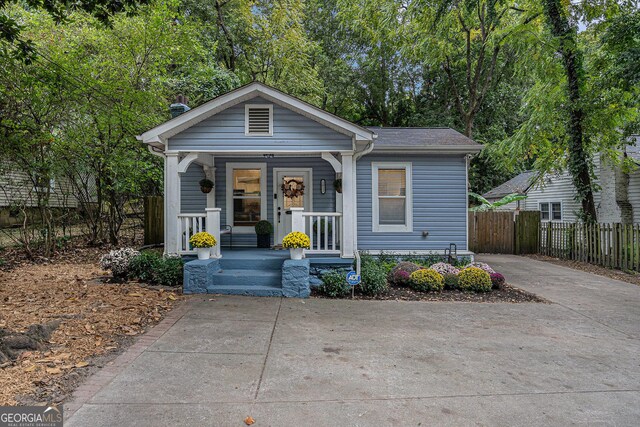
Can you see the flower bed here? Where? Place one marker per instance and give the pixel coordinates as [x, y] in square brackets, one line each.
[428, 279]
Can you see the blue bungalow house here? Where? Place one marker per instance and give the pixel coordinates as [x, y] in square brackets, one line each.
[275, 157]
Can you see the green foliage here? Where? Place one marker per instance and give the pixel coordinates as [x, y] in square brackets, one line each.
[451, 281]
[334, 285]
[488, 206]
[143, 266]
[474, 279]
[374, 278]
[152, 267]
[426, 280]
[263, 227]
[169, 272]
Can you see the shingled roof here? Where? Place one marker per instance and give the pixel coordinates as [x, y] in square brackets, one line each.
[519, 184]
[416, 138]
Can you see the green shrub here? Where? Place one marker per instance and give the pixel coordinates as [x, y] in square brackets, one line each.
[142, 266]
[399, 275]
[426, 280]
[168, 272]
[475, 280]
[388, 266]
[263, 227]
[451, 281]
[334, 285]
[374, 278]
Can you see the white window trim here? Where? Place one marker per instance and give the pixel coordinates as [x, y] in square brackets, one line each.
[550, 202]
[246, 119]
[229, 194]
[385, 228]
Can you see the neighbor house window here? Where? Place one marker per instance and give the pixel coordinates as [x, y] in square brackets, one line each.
[258, 120]
[246, 195]
[392, 197]
[551, 211]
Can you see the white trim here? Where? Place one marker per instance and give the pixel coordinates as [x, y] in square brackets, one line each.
[467, 161]
[247, 107]
[550, 202]
[160, 133]
[276, 190]
[335, 163]
[439, 149]
[229, 193]
[416, 252]
[383, 228]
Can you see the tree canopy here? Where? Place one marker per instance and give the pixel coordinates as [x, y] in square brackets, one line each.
[544, 85]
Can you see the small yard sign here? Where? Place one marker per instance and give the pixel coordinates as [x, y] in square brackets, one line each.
[353, 278]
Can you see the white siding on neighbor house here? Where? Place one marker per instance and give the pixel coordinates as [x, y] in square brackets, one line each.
[560, 188]
[634, 194]
[17, 189]
[291, 131]
[554, 188]
[439, 204]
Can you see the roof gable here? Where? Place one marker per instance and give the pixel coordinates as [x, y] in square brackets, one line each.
[519, 184]
[160, 134]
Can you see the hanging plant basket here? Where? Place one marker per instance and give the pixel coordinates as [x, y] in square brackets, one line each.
[206, 185]
[337, 185]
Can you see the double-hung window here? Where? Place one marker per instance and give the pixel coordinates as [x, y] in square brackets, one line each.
[246, 195]
[551, 211]
[392, 197]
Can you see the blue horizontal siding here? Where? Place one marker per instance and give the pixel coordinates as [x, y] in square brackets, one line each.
[439, 204]
[194, 201]
[225, 131]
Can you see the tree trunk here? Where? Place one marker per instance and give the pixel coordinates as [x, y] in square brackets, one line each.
[566, 36]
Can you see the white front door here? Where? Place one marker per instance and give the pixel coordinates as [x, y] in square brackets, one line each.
[293, 188]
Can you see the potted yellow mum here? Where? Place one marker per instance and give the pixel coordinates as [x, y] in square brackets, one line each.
[296, 242]
[203, 242]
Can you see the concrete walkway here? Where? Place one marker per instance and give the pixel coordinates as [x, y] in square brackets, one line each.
[340, 363]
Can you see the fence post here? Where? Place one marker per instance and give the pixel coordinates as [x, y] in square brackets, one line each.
[213, 227]
[153, 220]
[297, 220]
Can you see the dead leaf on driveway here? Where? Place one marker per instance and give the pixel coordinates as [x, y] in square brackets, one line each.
[249, 420]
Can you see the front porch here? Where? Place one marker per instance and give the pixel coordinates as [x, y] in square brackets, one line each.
[249, 189]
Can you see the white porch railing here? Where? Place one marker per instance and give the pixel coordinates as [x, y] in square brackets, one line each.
[188, 225]
[324, 229]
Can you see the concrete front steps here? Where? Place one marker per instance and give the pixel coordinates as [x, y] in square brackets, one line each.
[257, 277]
[255, 272]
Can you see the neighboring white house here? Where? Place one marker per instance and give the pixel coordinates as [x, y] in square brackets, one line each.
[554, 195]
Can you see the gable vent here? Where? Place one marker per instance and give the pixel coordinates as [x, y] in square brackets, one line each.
[259, 120]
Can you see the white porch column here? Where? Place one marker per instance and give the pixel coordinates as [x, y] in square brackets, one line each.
[297, 220]
[171, 203]
[348, 211]
[213, 227]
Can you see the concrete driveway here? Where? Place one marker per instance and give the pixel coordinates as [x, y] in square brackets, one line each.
[341, 363]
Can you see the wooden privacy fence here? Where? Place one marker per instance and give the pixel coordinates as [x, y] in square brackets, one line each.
[504, 232]
[153, 220]
[609, 245]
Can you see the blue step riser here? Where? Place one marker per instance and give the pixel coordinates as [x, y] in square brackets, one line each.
[247, 278]
[256, 291]
[249, 264]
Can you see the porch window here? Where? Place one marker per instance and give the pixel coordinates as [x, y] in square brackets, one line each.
[246, 195]
[392, 197]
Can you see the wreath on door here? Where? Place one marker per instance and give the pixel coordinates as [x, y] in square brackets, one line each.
[293, 188]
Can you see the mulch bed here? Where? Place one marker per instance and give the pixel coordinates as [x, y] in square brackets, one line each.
[629, 277]
[507, 293]
[60, 320]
